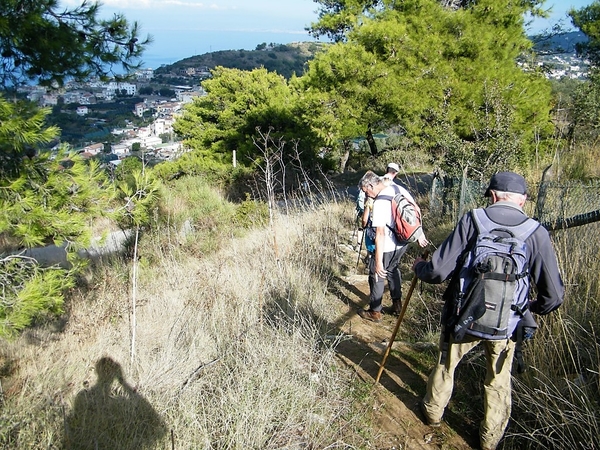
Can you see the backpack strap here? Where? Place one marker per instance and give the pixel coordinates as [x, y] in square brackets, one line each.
[450, 299]
[521, 231]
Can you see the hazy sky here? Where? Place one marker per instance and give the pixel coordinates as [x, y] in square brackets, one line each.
[183, 28]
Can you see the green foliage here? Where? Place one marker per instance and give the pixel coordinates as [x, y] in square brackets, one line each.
[193, 163]
[77, 130]
[44, 42]
[49, 198]
[21, 131]
[290, 60]
[194, 199]
[166, 92]
[127, 167]
[426, 69]
[44, 199]
[47, 201]
[145, 90]
[338, 91]
[337, 18]
[237, 104]
[495, 146]
[580, 162]
[584, 111]
[139, 196]
[29, 292]
[251, 213]
[587, 19]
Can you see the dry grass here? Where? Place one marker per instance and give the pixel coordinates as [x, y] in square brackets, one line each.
[230, 351]
[233, 348]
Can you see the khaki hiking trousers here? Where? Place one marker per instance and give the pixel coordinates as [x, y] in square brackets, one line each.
[497, 386]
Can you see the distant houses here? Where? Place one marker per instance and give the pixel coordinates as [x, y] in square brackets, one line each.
[150, 138]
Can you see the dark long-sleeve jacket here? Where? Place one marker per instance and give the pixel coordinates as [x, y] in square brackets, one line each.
[543, 265]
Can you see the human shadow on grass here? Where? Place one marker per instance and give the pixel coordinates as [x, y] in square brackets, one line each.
[112, 415]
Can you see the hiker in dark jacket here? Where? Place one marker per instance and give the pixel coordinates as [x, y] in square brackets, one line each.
[507, 191]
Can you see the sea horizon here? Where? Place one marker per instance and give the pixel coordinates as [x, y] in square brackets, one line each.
[170, 47]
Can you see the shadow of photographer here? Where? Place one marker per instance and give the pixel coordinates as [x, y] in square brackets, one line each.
[111, 414]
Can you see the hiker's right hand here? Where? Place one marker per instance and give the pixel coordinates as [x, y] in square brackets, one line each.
[418, 260]
[422, 240]
[380, 271]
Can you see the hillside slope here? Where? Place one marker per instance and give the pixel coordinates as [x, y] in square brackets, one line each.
[283, 59]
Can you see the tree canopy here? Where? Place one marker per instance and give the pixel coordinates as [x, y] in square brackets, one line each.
[433, 70]
[587, 19]
[236, 104]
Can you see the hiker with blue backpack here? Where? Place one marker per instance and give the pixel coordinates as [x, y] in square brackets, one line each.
[390, 241]
[490, 258]
[368, 230]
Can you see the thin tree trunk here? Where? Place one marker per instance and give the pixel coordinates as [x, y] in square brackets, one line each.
[133, 296]
[345, 155]
[371, 142]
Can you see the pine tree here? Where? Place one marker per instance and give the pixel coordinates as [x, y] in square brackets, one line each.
[441, 73]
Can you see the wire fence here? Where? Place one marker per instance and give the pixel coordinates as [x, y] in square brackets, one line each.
[557, 205]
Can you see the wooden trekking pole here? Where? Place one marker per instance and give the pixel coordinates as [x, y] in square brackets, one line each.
[413, 284]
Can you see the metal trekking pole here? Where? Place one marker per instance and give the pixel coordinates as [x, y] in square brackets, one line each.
[360, 247]
[413, 284]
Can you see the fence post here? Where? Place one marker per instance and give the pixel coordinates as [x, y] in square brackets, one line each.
[463, 190]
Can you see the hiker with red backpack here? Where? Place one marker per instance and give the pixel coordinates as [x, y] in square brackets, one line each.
[390, 243]
[490, 258]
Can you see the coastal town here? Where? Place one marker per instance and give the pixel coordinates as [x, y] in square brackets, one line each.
[155, 138]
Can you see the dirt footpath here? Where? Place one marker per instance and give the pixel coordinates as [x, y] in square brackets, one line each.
[397, 421]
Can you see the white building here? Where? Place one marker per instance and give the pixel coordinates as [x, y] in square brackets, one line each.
[82, 110]
[145, 74]
[161, 126]
[49, 100]
[115, 88]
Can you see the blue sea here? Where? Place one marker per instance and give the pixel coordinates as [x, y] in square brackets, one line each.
[170, 46]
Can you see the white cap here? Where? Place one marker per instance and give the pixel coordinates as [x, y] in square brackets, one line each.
[393, 166]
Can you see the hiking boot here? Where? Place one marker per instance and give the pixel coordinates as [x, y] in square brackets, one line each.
[488, 447]
[367, 314]
[428, 420]
[396, 307]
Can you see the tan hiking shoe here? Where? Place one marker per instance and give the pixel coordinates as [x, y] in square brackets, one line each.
[367, 314]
